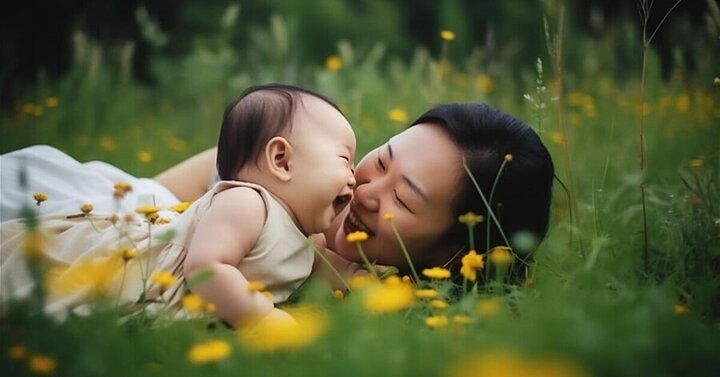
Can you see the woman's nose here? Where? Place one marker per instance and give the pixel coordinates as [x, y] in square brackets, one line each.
[365, 195]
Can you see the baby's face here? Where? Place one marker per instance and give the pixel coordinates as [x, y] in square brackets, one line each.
[321, 165]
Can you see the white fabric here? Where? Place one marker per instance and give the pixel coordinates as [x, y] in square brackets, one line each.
[69, 183]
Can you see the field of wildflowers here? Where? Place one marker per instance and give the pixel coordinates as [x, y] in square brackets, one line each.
[627, 283]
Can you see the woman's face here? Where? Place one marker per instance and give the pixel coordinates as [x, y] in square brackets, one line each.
[414, 177]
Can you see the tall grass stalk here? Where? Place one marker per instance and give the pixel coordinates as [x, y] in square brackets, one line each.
[555, 50]
[645, 8]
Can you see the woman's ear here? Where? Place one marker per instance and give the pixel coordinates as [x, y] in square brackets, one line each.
[277, 158]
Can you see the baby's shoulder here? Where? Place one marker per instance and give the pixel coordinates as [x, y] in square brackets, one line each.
[238, 202]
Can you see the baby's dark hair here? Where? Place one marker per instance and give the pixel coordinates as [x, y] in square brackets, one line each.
[260, 113]
[522, 196]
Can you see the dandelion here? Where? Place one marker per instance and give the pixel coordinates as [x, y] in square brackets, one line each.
[682, 103]
[426, 293]
[333, 63]
[447, 35]
[86, 208]
[210, 308]
[180, 207]
[472, 262]
[488, 307]
[508, 157]
[209, 351]
[389, 216]
[95, 274]
[716, 81]
[503, 363]
[398, 115]
[680, 309]
[484, 84]
[461, 319]
[255, 286]
[192, 303]
[277, 334]
[128, 253]
[41, 364]
[357, 236]
[51, 102]
[107, 144]
[558, 138]
[16, 352]
[339, 294]
[697, 163]
[33, 244]
[164, 279]
[391, 295]
[144, 156]
[436, 273]
[147, 209]
[501, 255]
[359, 281]
[436, 321]
[439, 304]
[39, 197]
[470, 219]
[121, 189]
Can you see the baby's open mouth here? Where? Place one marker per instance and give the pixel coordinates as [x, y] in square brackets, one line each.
[340, 202]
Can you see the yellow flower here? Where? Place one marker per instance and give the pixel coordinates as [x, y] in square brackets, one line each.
[357, 236]
[447, 35]
[488, 307]
[16, 352]
[180, 207]
[333, 63]
[501, 255]
[39, 197]
[164, 279]
[436, 321]
[484, 84]
[107, 144]
[680, 309]
[359, 282]
[439, 304]
[682, 103]
[86, 208]
[389, 216]
[508, 157]
[398, 115]
[144, 156]
[472, 262]
[391, 295]
[339, 294]
[128, 253]
[426, 293]
[192, 303]
[255, 286]
[95, 274]
[275, 334]
[209, 351]
[121, 188]
[209, 308]
[51, 102]
[471, 219]
[461, 319]
[491, 363]
[558, 138]
[698, 163]
[437, 273]
[41, 364]
[147, 210]
[163, 220]
[33, 245]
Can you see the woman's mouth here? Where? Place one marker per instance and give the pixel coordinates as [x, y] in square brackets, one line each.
[352, 224]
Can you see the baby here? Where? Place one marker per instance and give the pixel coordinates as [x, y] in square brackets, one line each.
[285, 160]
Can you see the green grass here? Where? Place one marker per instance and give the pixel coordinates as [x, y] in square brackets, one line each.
[591, 299]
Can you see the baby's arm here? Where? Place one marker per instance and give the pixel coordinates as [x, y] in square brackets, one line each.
[225, 234]
[320, 269]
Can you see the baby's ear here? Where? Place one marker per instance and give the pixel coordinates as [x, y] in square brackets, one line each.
[277, 158]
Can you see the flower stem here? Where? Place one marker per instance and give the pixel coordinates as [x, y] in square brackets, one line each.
[405, 252]
[369, 266]
[330, 265]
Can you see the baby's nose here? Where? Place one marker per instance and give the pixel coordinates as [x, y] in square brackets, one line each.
[351, 180]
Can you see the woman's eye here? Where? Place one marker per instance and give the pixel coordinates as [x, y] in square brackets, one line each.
[401, 203]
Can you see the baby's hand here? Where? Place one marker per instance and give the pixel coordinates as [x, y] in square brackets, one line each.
[276, 317]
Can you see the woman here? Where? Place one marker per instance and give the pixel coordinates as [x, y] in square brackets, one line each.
[419, 177]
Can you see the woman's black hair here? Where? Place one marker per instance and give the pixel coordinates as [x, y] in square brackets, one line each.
[260, 113]
[521, 200]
